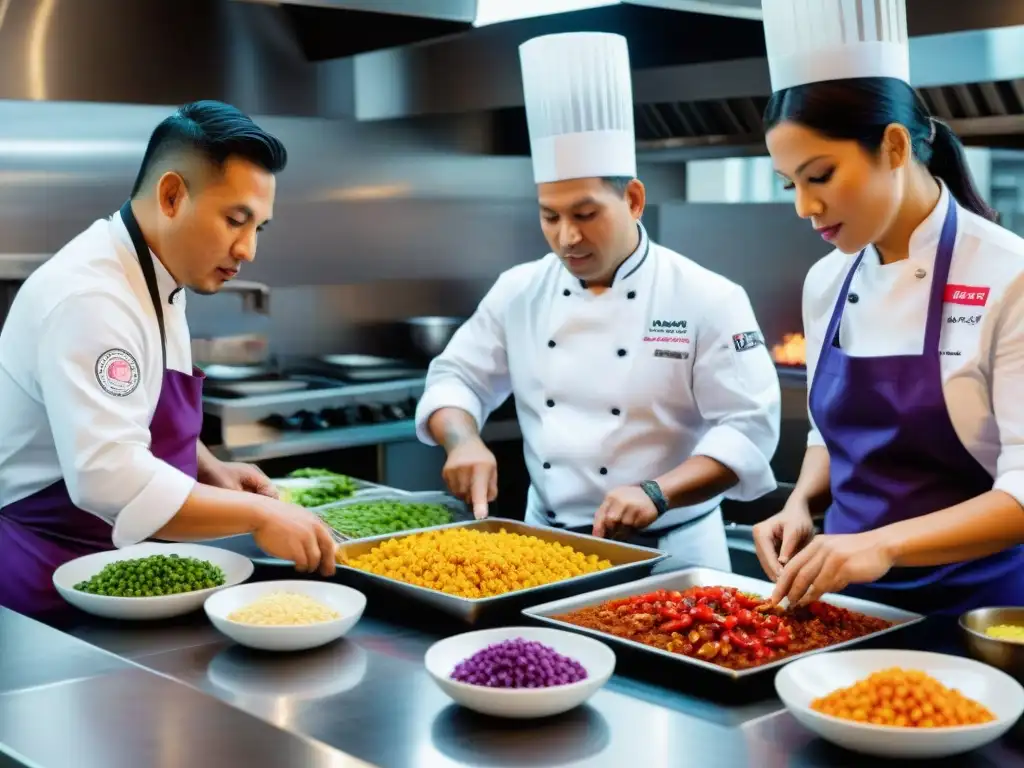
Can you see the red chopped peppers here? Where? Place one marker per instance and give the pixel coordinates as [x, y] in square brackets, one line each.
[723, 625]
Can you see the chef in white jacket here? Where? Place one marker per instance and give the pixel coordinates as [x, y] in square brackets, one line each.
[100, 405]
[643, 386]
[914, 325]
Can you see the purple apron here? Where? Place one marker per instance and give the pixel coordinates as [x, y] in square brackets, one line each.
[895, 455]
[45, 530]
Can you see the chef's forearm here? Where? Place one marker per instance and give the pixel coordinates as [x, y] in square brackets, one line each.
[207, 460]
[978, 527]
[696, 480]
[210, 512]
[450, 427]
[813, 485]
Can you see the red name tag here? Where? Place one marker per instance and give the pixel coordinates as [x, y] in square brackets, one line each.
[970, 295]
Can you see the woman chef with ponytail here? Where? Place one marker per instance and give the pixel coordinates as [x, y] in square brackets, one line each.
[914, 326]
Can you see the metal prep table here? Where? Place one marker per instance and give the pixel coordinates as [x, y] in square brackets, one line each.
[101, 694]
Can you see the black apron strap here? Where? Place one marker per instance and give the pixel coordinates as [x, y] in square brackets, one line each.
[148, 271]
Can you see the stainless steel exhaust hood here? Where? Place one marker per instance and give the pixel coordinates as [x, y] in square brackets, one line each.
[479, 12]
[973, 80]
[966, 64]
[707, 101]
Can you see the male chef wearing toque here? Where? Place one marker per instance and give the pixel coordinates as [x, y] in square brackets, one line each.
[644, 390]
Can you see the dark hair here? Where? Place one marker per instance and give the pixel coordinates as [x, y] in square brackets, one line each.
[618, 183]
[215, 131]
[860, 109]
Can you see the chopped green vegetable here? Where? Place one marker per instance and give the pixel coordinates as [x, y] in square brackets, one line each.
[374, 518]
[330, 487]
[309, 472]
[153, 576]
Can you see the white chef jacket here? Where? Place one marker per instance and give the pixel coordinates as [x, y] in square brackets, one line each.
[618, 387]
[56, 420]
[981, 345]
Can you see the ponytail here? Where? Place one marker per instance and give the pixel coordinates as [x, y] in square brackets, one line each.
[948, 162]
[860, 109]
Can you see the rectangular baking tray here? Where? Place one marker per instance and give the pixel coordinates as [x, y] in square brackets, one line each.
[706, 577]
[629, 562]
[459, 510]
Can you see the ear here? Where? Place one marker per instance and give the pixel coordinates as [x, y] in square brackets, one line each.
[171, 193]
[636, 198]
[897, 147]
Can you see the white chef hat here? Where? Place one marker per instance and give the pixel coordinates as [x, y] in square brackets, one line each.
[579, 106]
[811, 41]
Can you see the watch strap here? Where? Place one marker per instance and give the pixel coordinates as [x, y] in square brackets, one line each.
[653, 491]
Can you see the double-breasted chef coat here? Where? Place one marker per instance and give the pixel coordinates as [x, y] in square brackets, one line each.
[100, 409]
[917, 377]
[619, 387]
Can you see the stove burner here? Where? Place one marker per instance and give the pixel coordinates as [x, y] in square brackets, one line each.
[363, 414]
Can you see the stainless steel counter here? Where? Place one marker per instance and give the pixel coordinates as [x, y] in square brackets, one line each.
[178, 693]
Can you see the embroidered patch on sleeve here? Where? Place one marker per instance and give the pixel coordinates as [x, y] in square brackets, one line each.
[117, 372]
[747, 340]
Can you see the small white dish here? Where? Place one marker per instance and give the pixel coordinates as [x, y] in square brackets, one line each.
[236, 570]
[595, 657]
[349, 602]
[804, 680]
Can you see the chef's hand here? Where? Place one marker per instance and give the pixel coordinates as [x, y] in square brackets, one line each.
[238, 477]
[289, 532]
[471, 473]
[830, 564]
[623, 511]
[782, 535]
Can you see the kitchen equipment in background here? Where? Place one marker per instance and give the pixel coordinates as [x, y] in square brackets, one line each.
[218, 372]
[430, 335]
[255, 296]
[790, 356]
[240, 349]
[366, 369]
[792, 351]
[305, 420]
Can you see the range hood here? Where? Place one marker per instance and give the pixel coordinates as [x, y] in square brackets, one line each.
[973, 80]
[701, 79]
[966, 64]
[293, 57]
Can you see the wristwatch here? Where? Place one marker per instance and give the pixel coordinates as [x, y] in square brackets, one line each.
[653, 491]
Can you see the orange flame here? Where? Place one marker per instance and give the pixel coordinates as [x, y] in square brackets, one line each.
[792, 350]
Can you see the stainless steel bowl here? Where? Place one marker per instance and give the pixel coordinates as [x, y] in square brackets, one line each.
[1002, 654]
[430, 335]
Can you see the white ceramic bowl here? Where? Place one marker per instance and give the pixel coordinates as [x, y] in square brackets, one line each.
[348, 602]
[236, 570]
[596, 657]
[804, 680]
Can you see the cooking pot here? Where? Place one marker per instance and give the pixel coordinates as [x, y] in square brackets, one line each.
[430, 335]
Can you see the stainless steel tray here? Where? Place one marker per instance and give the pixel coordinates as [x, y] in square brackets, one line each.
[459, 510]
[628, 562]
[363, 488]
[698, 577]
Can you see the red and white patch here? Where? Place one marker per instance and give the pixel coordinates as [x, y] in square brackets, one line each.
[117, 372]
[967, 295]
